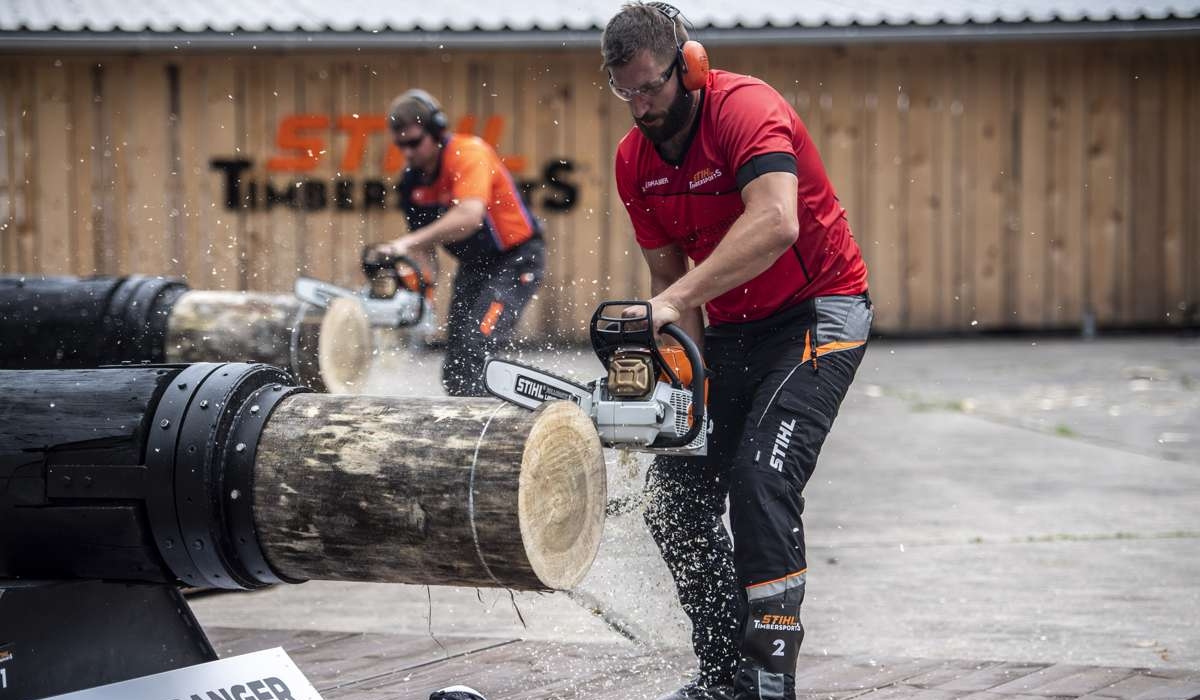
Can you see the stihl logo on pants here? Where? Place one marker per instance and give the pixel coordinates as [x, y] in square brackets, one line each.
[782, 440]
[782, 623]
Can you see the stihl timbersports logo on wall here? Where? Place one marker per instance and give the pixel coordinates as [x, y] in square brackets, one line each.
[306, 142]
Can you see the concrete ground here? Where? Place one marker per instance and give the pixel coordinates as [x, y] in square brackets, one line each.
[1018, 500]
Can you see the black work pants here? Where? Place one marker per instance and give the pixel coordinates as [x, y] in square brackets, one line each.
[772, 403]
[488, 298]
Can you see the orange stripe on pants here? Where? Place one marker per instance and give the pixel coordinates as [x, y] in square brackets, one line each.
[827, 348]
[488, 324]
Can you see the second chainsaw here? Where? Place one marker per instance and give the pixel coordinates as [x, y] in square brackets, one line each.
[398, 294]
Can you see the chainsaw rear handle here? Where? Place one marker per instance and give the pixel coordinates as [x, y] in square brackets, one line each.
[609, 332]
[699, 410]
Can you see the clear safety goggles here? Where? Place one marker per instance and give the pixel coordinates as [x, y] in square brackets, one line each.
[648, 90]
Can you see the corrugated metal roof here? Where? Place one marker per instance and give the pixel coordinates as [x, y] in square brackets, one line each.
[368, 16]
[223, 25]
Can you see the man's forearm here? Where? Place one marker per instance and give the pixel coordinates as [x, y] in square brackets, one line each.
[752, 245]
[456, 224]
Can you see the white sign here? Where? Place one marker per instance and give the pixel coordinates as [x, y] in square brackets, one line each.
[263, 675]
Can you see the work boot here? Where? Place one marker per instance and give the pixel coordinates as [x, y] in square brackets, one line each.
[695, 691]
[769, 648]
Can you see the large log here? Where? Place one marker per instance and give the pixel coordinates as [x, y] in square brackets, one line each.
[70, 322]
[448, 491]
[326, 350]
[223, 475]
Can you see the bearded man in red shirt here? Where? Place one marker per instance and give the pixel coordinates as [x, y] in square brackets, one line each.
[720, 170]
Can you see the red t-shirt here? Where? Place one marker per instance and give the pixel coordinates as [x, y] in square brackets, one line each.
[745, 128]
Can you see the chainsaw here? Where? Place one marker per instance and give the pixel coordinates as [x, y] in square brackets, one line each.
[652, 398]
[397, 293]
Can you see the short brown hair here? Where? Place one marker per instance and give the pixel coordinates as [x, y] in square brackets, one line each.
[640, 26]
[416, 108]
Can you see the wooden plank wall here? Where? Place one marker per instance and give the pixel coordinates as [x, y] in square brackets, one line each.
[990, 186]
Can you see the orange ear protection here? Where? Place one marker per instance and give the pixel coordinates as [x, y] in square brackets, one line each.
[693, 59]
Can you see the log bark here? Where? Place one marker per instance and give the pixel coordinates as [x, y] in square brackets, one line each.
[435, 491]
[325, 350]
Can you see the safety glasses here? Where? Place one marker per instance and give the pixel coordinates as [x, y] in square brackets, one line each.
[650, 89]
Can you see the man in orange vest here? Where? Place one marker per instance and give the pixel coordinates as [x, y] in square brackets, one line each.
[456, 192]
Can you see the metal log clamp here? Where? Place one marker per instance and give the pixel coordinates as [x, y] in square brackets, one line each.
[201, 450]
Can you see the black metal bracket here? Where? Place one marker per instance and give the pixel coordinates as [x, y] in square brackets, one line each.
[96, 481]
[237, 490]
[204, 436]
[60, 637]
[161, 446]
[135, 322]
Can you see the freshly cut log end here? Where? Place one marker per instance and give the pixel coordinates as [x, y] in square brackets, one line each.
[345, 347]
[562, 495]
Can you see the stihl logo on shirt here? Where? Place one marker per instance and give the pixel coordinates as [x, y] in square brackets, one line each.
[782, 440]
[655, 183]
[704, 177]
[533, 389]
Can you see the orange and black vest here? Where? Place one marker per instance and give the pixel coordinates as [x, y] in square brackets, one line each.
[468, 168]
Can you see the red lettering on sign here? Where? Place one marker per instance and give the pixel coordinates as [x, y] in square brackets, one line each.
[307, 150]
[301, 150]
[358, 128]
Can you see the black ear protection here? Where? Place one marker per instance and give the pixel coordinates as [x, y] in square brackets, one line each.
[437, 118]
[691, 55]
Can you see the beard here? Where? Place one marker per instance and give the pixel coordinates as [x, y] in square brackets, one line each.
[670, 122]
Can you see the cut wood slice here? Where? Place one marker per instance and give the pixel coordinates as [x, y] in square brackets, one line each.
[345, 348]
[562, 494]
[450, 491]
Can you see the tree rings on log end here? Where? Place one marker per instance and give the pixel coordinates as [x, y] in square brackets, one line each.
[345, 346]
[562, 494]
